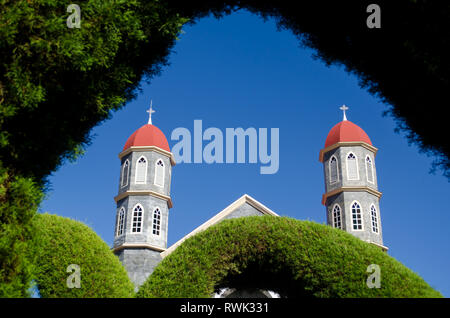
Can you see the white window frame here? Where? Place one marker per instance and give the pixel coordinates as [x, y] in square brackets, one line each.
[377, 222]
[361, 213]
[121, 221]
[337, 169]
[357, 167]
[126, 164]
[340, 216]
[367, 171]
[145, 172]
[163, 172]
[132, 219]
[160, 221]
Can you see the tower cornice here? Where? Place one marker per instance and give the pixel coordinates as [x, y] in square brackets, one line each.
[350, 189]
[347, 144]
[149, 148]
[138, 245]
[144, 192]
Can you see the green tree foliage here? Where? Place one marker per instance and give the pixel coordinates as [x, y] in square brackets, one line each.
[294, 258]
[56, 82]
[61, 242]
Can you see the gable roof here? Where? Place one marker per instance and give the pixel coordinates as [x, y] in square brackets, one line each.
[245, 199]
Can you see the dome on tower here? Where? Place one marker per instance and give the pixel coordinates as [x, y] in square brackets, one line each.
[146, 136]
[346, 131]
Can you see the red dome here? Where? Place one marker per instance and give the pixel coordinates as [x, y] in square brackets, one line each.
[147, 135]
[346, 131]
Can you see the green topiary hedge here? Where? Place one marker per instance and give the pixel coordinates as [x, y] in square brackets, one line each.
[294, 258]
[60, 242]
[19, 199]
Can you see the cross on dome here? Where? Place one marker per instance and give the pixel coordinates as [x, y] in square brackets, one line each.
[344, 108]
[150, 111]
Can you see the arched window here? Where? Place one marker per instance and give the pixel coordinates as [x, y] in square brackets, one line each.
[352, 167]
[120, 222]
[333, 169]
[138, 214]
[356, 216]
[156, 221]
[125, 173]
[159, 173]
[369, 169]
[337, 223]
[373, 214]
[141, 170]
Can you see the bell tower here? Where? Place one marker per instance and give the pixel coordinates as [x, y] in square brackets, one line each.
[143, 201]
[351, 189]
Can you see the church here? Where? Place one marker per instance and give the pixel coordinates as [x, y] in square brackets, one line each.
[351, 195]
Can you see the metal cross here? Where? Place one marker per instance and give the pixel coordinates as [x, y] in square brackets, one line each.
[344, 108]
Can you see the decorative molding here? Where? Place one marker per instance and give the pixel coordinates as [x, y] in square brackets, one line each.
[384, 248]
[149, 148]
[347, 144]
[139, 245]
[220, 216]
[144, 192]
[350, 189]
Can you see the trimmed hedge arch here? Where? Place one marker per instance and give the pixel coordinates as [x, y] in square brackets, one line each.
[294, 258]
[60, 242]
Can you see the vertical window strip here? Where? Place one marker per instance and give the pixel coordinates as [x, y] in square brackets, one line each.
[352, 167]
[373, 212]
[334, 177]
[356, 216]
[156, 221]
[369, 169]
[125, 173]
[121, 222]
[337, 223]
[137, 219]
[159, 173]
[141, 170]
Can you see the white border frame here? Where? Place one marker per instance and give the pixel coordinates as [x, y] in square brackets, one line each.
[160, 221]
[132, 217]
[367, 172]
[136, 170]
[378, 219]
[340, 215]
[163, 172]
[357, 166]
[128, 174]
[362, 216]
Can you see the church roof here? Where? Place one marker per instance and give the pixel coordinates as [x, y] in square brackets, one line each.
[346, 131]
[244, 206]
[147, 135]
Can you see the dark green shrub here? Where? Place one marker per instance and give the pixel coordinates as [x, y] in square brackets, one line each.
[19, 199]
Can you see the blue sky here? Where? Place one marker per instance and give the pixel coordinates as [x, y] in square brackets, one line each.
[241, 72]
